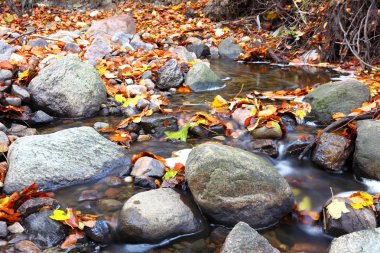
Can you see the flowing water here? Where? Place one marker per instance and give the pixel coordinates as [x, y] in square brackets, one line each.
[307, 180]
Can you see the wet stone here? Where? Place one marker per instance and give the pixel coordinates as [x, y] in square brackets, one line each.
[43, 231]
[34, 205]
[41, 117]
[266, 146]
[26, 247]
[145, 182]
[89, 195]
[112, 181]
[101, 125]
[354, 220]
[219, 234]
[332, 151]
[21, 130]
[147, 166]
[157, 124]
[109, 205]
[99, 233]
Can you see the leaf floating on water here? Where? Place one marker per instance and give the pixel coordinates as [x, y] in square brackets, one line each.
[305, 204]
[336, 208]
[360, 200]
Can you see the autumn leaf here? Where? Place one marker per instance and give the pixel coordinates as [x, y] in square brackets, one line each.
[360, 200]
[219, 101]
[8, 18]
[305, 204]
[72, 239]
[60, 215]
[336, 208]
[179, 135]
[170, 174]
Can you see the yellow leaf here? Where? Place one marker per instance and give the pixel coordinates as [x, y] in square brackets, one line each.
[336, 208]
[338, 115]
[8, 18]
[219, 101]
[23, 75]
[305, 204]
[60, 215]
[268, 111]
[300, 114]
[3, 201]
[120, 98]
[102, 70]
[360, 200]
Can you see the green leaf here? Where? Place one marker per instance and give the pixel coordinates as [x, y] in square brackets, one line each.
[179, 135]
[60, 215]
[120, 98]
[170, 174]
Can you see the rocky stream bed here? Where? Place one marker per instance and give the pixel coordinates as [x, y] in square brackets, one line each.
[155, 166]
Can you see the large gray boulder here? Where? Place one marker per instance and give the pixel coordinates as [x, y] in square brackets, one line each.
[232, 185]
[201, 78]
[367, 149]
[68, 88]
[156, 215]
[365, 241]
[342, 96]
[243, 238]
[65, 158]
[229, 49]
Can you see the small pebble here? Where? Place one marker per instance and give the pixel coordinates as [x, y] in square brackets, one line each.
[144, 138]
[16, 228]
[128, 179]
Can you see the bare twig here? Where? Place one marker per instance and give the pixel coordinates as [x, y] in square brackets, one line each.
[339, 124]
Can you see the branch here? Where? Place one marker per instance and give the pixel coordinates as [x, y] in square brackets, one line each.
[339, 124]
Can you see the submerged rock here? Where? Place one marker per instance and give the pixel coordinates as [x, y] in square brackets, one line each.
[26, 246]
[201, 78]
[100, 232]
[156, 215]
[157, 124]
[61, 159]
[342, 96]
[243, 238]
[354, 220]
[367, 149]
[365, 241]
[240, 186]
[68, 88]
[229, 49]
[43, 231]
[332, 151]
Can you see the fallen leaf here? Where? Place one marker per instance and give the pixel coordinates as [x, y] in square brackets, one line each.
[336, 208]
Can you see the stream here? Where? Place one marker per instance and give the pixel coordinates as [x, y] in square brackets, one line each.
[306, 179]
